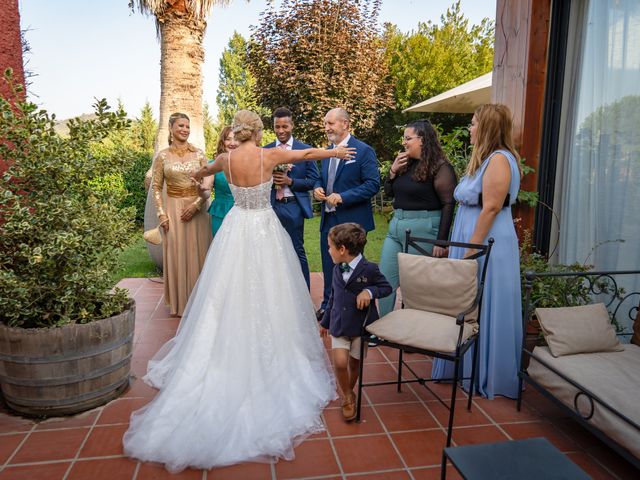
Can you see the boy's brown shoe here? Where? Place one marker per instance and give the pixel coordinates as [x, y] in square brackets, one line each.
[349, 407]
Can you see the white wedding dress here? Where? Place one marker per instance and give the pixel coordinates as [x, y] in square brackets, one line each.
[246, 377]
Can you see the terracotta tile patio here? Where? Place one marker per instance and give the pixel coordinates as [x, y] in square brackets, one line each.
[401, 435]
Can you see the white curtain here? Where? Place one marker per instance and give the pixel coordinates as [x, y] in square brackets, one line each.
[598, 184]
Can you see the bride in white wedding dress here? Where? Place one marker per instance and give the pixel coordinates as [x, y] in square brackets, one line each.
[246, 377]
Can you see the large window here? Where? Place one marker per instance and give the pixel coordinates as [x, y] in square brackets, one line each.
[597, 187]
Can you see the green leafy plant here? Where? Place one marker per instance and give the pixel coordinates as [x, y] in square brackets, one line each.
[562, 291]
[60, 231]
[133, 180]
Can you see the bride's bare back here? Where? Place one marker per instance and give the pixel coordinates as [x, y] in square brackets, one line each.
[248, 165]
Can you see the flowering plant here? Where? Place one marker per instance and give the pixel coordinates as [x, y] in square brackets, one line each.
[281, 168]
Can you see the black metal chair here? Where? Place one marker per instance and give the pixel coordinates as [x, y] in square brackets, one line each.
[441, 304]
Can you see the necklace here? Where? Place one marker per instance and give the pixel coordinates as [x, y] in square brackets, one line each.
[180, 151]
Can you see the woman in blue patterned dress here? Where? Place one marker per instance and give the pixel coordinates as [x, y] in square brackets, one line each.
[485, 195]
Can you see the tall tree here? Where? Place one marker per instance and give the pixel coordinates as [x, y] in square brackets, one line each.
[211, 132]
[146, 128]
[180, 25]
[237, 85]
[314, 55]
[438, 57]
[429, 61]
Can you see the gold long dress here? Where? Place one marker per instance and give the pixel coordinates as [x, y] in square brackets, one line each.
[185, 245]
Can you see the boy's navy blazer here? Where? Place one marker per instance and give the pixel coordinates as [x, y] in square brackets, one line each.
[304, 175]
[342, 317]
[357, 181]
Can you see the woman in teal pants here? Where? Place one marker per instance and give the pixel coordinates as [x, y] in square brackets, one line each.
[421, 182]
[223, 199]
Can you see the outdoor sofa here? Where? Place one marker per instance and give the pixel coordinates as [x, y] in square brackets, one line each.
[582, 366]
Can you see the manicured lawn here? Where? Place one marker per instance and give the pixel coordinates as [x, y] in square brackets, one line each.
[312, 241]
[136, 262]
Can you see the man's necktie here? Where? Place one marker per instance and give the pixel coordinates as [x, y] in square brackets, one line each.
[280, 191]
[331, 178]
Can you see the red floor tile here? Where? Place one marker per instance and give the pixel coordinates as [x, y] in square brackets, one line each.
[590, 466]
[503, 410]
[150, 471]
[104, 442]
[433, 473]
[366, 454]
[378, 372]
[475, 435]
[420, 449]
[11, 423]
[395, 475]
[47, 471]
[518, 431]
[244, 471]
[313, 459]
[443, 390]
[389, 394]
[405, 416]
[462, 417]
[85, 419]
[104, 469]
[50, 445]
[119, 411]
[339, 428]
[8, 444]
[421, 368]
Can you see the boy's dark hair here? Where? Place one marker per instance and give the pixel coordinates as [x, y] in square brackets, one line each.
[350, 235]
[282, 112]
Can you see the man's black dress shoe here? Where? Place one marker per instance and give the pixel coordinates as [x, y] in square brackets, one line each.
[319, 314]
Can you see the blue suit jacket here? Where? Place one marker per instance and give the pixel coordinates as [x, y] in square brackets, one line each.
[342, 317]
[357, 181]
[304, 175]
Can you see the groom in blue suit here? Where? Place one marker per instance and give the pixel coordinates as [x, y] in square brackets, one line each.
[291, 201]
[345, 188]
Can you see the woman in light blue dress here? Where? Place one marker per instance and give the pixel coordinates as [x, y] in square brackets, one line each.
[485, 195]
[223, 199]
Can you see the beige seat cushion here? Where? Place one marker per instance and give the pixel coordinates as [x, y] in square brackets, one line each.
[426, 330]
[582, 329]
[441, 285]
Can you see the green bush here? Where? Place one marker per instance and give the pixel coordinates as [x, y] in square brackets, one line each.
[60, 233]
[133, 183]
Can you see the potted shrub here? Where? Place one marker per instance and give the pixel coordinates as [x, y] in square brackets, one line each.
[66, 334]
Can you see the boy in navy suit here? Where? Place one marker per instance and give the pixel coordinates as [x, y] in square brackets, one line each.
[355, 283]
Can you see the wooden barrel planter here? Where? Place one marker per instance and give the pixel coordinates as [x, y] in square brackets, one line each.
[48, 372]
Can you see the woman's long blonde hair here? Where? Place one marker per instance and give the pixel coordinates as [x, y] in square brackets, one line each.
[494, 131]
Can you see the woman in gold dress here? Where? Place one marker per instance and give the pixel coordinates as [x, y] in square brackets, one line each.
[187, 231]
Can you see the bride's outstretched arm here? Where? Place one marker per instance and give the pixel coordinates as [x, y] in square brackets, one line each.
[210, 168]
[293, 156]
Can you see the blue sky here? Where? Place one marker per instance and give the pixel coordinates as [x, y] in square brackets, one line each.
[84, 49]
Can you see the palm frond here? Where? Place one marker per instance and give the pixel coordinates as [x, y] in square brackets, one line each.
[198, 9]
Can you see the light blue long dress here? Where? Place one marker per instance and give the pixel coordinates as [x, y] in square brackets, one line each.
[222, 201]
[501, 317]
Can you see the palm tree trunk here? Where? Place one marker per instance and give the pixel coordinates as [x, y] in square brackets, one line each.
[182, 56]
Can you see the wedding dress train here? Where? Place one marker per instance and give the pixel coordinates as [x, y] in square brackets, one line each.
[246, 377]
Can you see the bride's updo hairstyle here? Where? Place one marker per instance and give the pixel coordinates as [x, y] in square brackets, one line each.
[245, 124]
